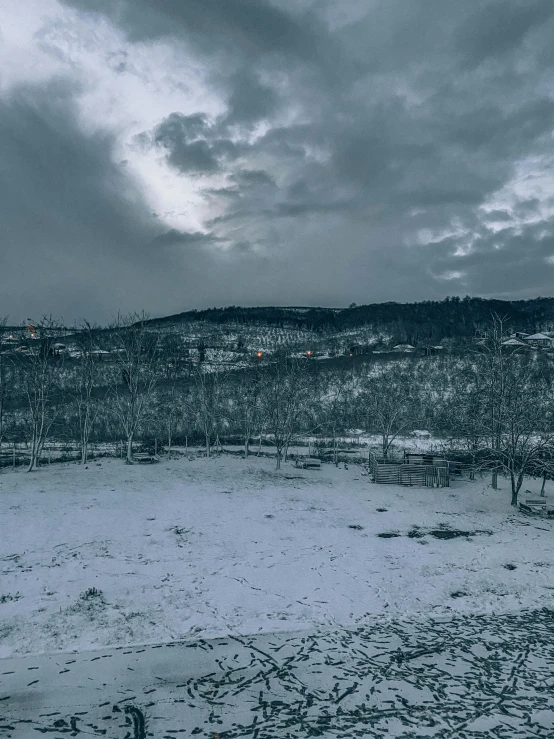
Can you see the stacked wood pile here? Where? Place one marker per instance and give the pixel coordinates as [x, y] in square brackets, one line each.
[428, 473]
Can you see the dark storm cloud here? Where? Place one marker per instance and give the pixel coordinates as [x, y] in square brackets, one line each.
[496, 28]
[249, 27]
[351, 161]
[498, 215]
[247, 178]
[179, 135]
[174, 237]
[78, 239]
[191, 143]
[511, 262]
[61, 207]
[182, 128]
[249, 100]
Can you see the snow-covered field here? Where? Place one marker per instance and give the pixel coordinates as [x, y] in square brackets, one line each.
[118, 554]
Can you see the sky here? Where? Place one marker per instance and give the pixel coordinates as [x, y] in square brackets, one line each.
[164, 156]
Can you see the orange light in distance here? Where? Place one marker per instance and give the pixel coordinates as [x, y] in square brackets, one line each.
[259, 354]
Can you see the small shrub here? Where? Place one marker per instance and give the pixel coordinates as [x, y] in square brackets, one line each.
[132, 614]
[92, 594]
[9, 598]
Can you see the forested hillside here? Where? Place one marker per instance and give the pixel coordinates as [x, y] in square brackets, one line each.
[427, 321]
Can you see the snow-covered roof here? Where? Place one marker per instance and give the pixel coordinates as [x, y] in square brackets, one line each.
[513, 342]
[538, 336]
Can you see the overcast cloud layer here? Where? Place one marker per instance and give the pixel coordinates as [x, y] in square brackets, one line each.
[192, 153]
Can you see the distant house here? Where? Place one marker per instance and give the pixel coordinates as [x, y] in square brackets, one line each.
[405, 348]
[430, 350]
[538, 340]
[519, 335]
[99, 354]
[514, 343]
[9, 343]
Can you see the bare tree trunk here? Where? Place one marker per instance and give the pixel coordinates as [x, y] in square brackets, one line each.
[35, 450]
[246, 446]
[513, 486]
[543, 494]
[129, 456]
[208, 445]
[135, 349]
[33, 462]
[385, 443]
[260, 443]
[84, 438]
[516, 486]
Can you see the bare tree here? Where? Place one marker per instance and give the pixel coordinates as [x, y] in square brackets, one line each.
[6, 365]
[285, 396]
[335, 409]
[3, 380]
[40, 367]
[209, 404]
[134, 350]
[246, 404]
[517, 416]
[523, 443]
[388, 404]
[83, 392]
[494, 366]
[460, 413]
[172, 406]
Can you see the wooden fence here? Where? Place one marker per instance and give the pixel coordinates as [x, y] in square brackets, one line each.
[398, 472]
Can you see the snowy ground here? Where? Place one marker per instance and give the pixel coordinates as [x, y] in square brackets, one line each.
[223, 546]
[465, 677]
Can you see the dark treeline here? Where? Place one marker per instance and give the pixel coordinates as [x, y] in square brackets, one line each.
[426, 321]
[132, 383]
